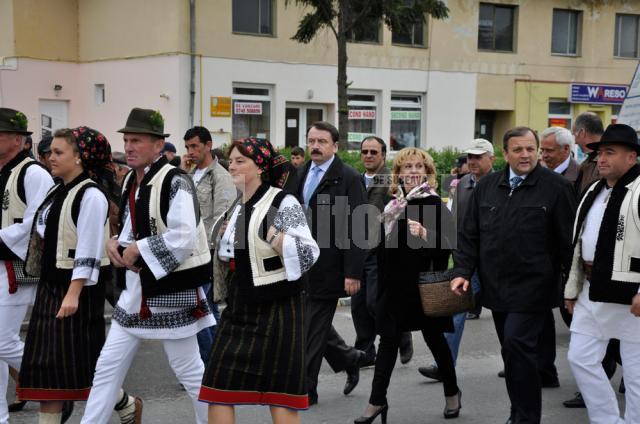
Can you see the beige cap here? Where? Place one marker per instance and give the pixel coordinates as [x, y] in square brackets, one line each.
[480, 146]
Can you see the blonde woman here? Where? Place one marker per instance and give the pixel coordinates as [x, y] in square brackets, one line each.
[417, 226]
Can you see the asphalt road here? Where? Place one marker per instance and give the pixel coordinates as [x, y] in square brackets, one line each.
[412, 399]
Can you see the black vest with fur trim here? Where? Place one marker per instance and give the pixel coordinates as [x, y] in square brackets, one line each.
[176, 281]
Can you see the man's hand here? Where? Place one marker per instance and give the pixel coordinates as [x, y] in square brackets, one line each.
[130, 256]
[635, 305]
[569, 305]
[459, 285]
[114, 255]
[351, 286]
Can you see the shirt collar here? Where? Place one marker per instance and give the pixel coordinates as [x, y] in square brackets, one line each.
[563, 166]
[513, 174]
[148, 168]
[324, 166]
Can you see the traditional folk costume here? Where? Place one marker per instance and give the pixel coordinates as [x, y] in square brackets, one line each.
[68, 243]
[163, 301]
[24, 185]
[258, 356]
[604, 278]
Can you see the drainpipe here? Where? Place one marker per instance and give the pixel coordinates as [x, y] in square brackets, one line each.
[192, 46]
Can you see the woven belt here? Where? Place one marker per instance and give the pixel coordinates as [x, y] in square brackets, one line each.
[588, 269]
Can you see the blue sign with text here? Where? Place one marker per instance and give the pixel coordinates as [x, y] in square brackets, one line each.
[598, 94]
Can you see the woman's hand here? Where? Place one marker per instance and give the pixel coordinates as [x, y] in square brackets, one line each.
[570, 305]
[71, 299]
[275, 239]
[416, 229]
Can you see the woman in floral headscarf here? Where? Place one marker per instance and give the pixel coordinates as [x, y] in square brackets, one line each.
[66, 329]
[265, 246]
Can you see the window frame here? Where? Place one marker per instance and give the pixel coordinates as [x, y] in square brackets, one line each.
[269, 97]
[360, 103]
[351, 37]
[396, 102]
[514, 34]
[616, 38]
[565, 116]
[578, 31]
[273, 33]
[425, 38]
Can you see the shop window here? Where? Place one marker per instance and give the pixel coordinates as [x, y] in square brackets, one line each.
[559, 113]
[496, 27]
[627, 36]
[362, 118]
[566, 32]
[415, 36]
[406, 119]
[253, 16]
[615, 112]
[251, 112]
[368, 33]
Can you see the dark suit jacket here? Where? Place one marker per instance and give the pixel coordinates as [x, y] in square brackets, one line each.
[330, 212]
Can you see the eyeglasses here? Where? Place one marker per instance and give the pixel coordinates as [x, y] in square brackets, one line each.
[369, 152]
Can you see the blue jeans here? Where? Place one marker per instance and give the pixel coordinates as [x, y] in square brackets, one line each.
[207, 335]
[454, 339]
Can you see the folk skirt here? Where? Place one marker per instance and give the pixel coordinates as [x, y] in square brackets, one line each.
[60, 354]
[258, 356]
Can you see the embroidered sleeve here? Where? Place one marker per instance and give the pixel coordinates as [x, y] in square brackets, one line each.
[299, 250]
[90, 248]
[164, 252]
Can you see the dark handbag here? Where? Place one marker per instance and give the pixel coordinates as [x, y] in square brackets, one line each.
[437, 298]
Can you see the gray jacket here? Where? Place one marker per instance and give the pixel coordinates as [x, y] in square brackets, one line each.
[215, 192]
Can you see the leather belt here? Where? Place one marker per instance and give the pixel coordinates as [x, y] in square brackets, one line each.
[588, 269]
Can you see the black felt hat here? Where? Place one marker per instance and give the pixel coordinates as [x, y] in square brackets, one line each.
[13, 121]
[145, 121]
[618, 134]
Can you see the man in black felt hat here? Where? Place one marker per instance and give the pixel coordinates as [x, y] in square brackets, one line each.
[602, 291]
[19, 203]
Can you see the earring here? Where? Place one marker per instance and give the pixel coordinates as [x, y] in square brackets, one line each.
[77, 161]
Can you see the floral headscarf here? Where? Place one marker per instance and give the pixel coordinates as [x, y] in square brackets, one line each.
[95, 153]
[267, 159]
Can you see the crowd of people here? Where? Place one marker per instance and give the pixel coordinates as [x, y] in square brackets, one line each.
[273, 244]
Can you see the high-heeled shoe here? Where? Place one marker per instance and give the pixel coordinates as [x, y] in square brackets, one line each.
[368, 420]
[453, 413]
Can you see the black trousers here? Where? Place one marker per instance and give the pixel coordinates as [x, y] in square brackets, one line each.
[519, 334]
[363, 306]
[386, 361]
[322, 340]
[547, 349]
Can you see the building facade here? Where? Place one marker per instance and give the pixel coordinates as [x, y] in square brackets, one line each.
[489, 66]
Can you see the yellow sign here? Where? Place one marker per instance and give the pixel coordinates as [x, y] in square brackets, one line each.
[221, 106]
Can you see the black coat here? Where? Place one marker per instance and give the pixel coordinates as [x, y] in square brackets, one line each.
[402, 257]
[340, 191]
[520, 242]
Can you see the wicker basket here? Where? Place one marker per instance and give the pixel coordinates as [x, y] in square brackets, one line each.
[437, 298]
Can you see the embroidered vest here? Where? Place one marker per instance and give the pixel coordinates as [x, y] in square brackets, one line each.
[266, 265]
[13, 196]
[151, 211]
[621, 282]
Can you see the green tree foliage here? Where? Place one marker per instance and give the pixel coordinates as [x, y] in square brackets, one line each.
[343, 16]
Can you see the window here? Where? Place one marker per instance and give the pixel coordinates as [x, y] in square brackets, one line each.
[615, 111]
[406, 118]
[362, 118]
[365, 34]
[251, 112]
[627, 38]
[415, 36]
[559, 113]
[100, 94]
[566, 32]
[253, 16]
[496, 27]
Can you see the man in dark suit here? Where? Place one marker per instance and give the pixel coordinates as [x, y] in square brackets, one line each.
[330, 191]
[373, 153]
[517, 234]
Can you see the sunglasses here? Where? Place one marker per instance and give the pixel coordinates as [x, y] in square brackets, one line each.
[369, 152]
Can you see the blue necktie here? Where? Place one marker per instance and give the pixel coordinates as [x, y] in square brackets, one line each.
[313, 184]
[515, 182]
